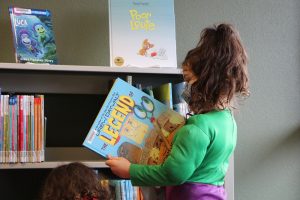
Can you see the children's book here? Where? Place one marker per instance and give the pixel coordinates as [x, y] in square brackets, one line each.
[142, 33]
[133, 125]
[33, 35]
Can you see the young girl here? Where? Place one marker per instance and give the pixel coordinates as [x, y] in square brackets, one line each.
[73, 181]
[216, 72]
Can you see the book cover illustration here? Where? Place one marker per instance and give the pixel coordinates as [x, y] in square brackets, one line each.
[142, 33]
[33, 35]
[133, 125]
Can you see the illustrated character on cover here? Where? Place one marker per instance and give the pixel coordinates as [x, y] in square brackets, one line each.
[46, 39]
[146, 45]
[166, 124]
[153, 53]
[42, 34]
[29, 43]
[130, 151]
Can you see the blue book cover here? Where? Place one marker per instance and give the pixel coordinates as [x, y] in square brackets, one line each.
[142, 33]
[133, 125]
[33, 35]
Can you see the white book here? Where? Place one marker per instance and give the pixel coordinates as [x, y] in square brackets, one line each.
[142, 33]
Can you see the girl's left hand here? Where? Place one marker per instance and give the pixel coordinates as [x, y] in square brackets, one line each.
[119, 166]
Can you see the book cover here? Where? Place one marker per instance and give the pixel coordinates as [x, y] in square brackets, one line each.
[163, 93]
[142, 33]
[33, 35]
[133, 125]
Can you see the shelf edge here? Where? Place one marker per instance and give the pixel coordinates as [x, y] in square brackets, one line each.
[81, 68]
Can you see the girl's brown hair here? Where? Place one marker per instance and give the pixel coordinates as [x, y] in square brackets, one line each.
[73, 181]
[219, 62]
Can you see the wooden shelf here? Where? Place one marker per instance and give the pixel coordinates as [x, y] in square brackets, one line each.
[97, 69]
[63, 155]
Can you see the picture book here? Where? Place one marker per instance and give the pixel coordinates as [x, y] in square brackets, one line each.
[142, 33]
[133, 125]
[33, 35]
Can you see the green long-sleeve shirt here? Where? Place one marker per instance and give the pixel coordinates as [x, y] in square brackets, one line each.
[200, 153]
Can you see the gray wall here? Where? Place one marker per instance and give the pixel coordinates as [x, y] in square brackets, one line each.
[267, 161]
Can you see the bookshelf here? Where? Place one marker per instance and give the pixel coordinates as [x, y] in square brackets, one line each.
[65, 84]
[73, 96]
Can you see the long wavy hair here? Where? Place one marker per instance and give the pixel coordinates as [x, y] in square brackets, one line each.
[73, 181]
[219, 61]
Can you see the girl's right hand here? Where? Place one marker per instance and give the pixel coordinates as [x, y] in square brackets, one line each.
[119, 166]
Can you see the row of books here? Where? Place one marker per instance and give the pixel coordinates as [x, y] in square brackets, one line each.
[142, 34]
[169, 94]
[121, 189]
[22, 128]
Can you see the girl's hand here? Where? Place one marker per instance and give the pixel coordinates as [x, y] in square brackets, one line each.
[119, 166]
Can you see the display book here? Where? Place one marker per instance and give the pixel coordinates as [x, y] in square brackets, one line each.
[33, 35]
[142, 33]
[133, 125]
[22, 128]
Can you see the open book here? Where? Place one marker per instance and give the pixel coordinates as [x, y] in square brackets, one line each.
[133, 125]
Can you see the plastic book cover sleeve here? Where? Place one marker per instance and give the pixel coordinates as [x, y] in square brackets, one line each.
[133, 125]
[33, 35]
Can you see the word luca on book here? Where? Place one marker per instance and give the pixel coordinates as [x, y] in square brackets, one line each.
[141, 21]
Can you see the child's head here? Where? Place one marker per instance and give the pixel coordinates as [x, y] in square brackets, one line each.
[219, 66]
[73, 181]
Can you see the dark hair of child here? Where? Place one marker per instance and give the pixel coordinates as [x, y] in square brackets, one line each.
[219, 61]
[73, 181]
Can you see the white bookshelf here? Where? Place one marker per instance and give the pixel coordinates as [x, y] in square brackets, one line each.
[96, 69]
[56, 156]
[72, 79]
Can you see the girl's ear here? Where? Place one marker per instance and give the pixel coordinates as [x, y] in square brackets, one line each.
[188, 75]
[193, 80]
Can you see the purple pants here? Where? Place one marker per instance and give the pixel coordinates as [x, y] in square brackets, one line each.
[195, 191]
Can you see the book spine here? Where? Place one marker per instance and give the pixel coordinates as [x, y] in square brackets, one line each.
[25, 127]
[10, 129]
[42, 140]
[39, 128]
[6, 129]
[15, 128]
[1, 127]
[21, 128]
[32, 129]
